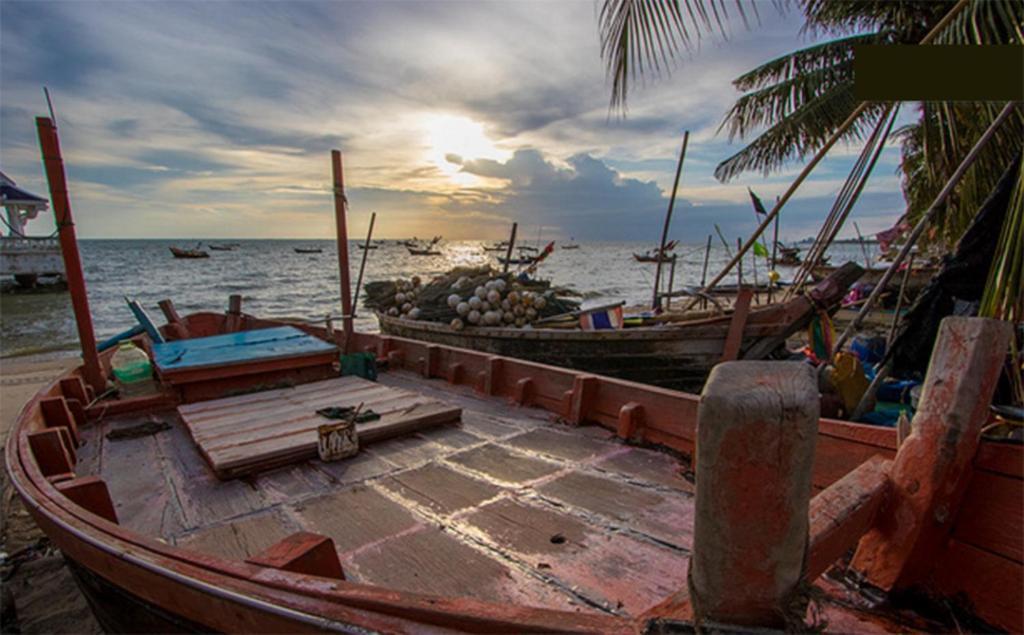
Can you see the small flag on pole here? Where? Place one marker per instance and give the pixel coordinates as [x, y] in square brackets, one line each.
[760, 250]
[758, 205]
[601, 320]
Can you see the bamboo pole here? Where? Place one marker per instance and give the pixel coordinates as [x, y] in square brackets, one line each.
[775, 252]
[671, 281]
[53, 162]
[860, 239]
[341, 226]
[511, 245]
[818, 156]
[668, 218]
[739, 268]
[362, 264]
[899, 303]
[704, 273]
[915, 233]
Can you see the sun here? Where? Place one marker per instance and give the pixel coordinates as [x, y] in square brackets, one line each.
[452, 139]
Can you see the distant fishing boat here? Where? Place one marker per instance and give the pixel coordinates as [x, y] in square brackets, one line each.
[370, 246]
[222, 247]
[188, 253]
[527, 248]
[788, 256]
[423, 251]
[521, 260]
[651, 257]
[571, 244]
[308, 250]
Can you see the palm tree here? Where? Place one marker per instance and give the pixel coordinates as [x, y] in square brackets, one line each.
[793, 104]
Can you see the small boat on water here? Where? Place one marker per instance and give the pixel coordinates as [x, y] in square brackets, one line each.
[788, 256]
[308, 250]
[222, 247]
[370, 246]
[423, 251]
[570, 246]
[521, 260]
[189, 253]
[653, 257]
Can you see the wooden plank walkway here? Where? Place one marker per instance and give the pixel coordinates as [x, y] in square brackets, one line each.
[250, 433]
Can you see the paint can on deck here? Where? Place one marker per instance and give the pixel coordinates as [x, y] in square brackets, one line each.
[337, 440]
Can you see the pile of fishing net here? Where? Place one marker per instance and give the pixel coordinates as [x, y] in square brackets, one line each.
[471, 296]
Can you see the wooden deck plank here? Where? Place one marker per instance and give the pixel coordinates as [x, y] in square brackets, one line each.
[666, 518]
[354, 517]
[239, 539]
[503, 465]
[266, 430]
[571, 447]
[440, 489]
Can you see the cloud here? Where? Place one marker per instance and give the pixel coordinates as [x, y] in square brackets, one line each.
[216, 118]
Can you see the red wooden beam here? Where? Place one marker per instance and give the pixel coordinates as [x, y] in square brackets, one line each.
[90, 493]
[303, 552]
[843, 512]
[931, 469]
[50, 146]
[340, 209]
[49, 447]
[56, 414]
[733, 340]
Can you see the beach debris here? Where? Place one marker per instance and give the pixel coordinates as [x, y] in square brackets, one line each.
[471, 296]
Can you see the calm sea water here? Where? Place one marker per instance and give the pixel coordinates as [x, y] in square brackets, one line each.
[274, 281]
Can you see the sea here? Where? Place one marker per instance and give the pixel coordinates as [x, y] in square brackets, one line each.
[275, 281]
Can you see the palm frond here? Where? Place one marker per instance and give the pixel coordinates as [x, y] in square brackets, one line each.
[801, 132]
[641, 38]
[986, 22]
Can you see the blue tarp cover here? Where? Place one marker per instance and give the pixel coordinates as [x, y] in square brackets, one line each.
[237, 348]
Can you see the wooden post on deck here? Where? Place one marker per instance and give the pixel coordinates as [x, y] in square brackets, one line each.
[757, 428]
[54, 164]
[932, 466]
[340, 207]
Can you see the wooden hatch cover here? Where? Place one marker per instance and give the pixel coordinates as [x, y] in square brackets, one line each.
[250, 433]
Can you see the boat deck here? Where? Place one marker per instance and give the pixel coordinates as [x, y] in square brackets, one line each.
[509, 506]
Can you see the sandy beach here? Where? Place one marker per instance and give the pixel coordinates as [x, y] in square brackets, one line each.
[36, 582]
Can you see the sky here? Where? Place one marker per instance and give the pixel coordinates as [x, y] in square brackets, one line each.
[216, 119]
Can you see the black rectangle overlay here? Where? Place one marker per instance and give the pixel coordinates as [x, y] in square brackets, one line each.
[938, 73]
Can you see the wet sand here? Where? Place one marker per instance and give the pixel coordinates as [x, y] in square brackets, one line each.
[35, 579]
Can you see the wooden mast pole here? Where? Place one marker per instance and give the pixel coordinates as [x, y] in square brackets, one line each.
[668, 220]
[54, 164]
[362, 264]
[340, 208]
[511, 245]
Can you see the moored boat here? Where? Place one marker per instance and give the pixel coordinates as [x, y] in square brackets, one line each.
[308, 250]
[178, 252]
[917, 280]
[676, 354]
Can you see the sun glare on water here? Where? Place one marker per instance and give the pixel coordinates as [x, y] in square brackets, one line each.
[452, 139]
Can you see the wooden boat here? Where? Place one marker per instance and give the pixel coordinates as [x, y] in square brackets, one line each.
[570, 246]
[521, 260]
[420, 526]
[224, 247]
[308, 250]
[423, 252]
[371, 246]
[527, 248]
[651, 257]
[547, 508]
[188, 253]
[788, 256]
[674, 354]
[919, 276]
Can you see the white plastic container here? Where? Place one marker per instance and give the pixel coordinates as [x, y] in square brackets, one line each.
[133, 371]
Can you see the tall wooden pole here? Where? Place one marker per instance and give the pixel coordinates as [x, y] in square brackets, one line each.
[863, 249]
[340, 208]
[362, 264]
[511, 245]
[704, 273]
[54, 164]
[668, 219]
[775, 253]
